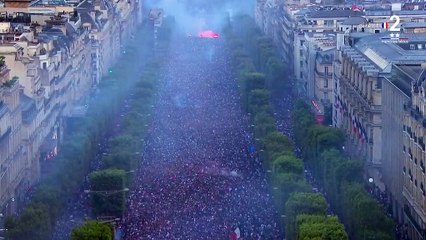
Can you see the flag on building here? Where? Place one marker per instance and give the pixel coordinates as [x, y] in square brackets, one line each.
[359, 130]
[353, 123]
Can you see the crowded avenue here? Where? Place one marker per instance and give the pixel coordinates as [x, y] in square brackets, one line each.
[199, 178]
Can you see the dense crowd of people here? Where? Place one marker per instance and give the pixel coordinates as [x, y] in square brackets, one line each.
[198, 178]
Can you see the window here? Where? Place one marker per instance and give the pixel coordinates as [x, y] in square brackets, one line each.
[412, 46]
[415, 182]
[376, 31]
[301, 74]
[329, 22]
[415, 161]
[325, 83]
[404, 170]
[379, 83]
[326, 70]
[403, 149]
[362, 29]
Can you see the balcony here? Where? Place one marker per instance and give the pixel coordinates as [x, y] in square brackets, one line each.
[4, 73]
[4, 134]
[322, 74]
[412, 219]
[407, 105]
[3, 109]
[361, 99]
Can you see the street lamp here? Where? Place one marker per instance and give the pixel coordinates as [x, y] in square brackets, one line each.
[110, 192]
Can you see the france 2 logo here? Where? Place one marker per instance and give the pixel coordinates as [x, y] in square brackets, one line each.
[395, 25]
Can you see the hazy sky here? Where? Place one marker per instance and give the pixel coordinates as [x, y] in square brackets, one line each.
[193, 16]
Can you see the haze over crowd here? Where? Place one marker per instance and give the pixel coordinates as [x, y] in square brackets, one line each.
[193, 16]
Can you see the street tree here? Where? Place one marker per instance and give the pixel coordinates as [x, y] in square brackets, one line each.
[93, 230]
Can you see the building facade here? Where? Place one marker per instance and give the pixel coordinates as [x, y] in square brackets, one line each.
[52, 58]
[414, 158]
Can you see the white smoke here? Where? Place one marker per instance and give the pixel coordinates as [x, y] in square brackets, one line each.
[194, 16]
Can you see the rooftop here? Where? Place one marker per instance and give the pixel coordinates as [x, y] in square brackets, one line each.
[325, 57]
[384, 54]
[334, 14]
[354, 21]
[325, 40]
[403, 75]
[413, 25]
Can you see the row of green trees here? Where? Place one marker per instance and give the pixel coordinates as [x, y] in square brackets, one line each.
[251, 53]
[77, 150]
[107, 185]
[340, 177]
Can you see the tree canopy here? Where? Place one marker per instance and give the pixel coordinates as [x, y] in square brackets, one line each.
[93, 230]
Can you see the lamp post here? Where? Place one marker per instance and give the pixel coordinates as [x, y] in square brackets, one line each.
[2, 230]
[2, 225]
[107, 192]
[113, 223]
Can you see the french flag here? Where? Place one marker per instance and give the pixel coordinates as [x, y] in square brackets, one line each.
[385, 25]
[236, 234]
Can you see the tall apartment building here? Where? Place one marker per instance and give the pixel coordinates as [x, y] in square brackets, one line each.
[13, 163]
[57, 53]
[403, 146]
[259, 13]
[371, 81]
[363, 64]
[317, 64]
[286, 22]
[412, 163]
